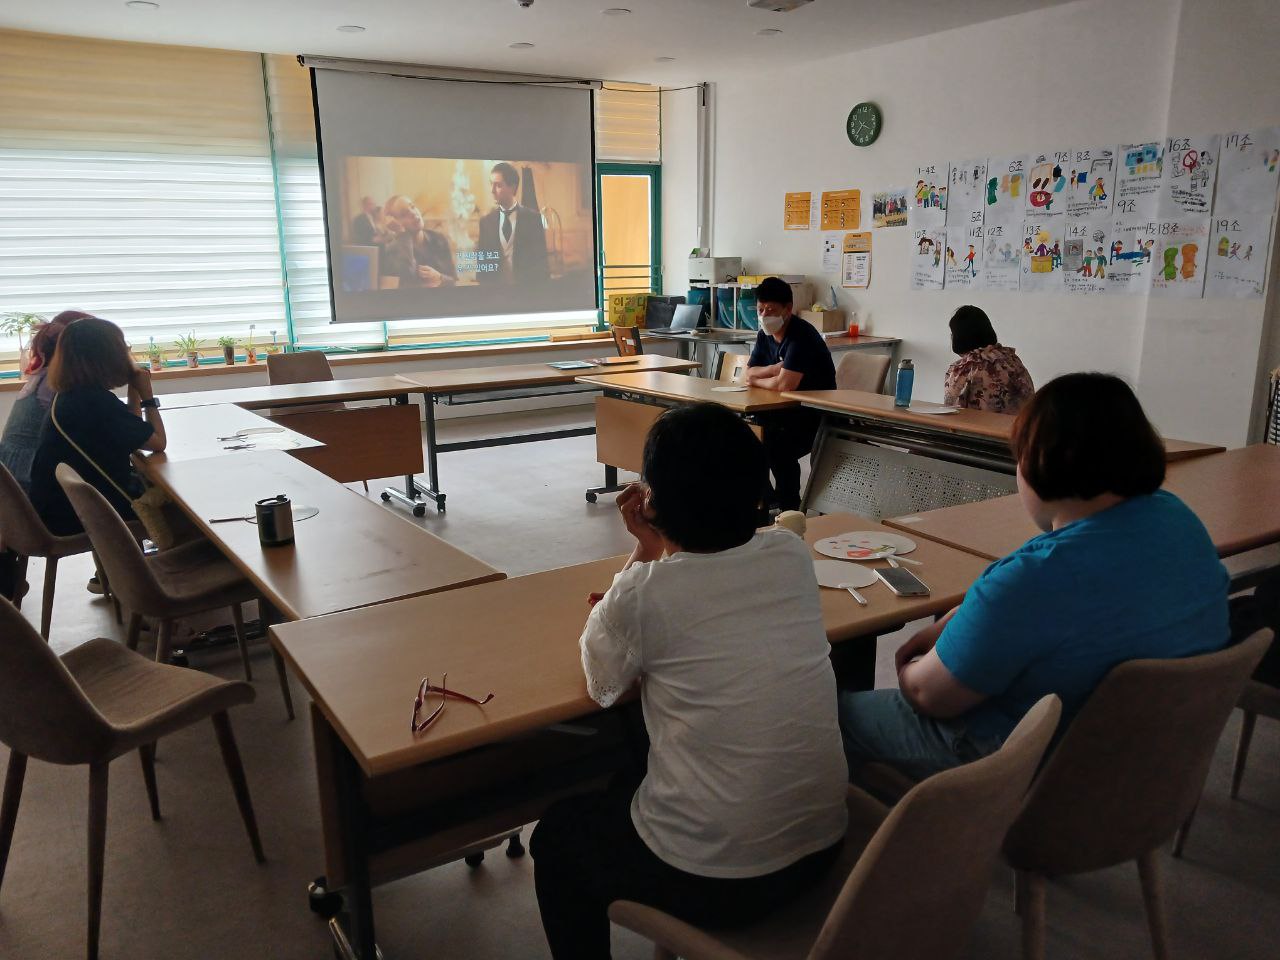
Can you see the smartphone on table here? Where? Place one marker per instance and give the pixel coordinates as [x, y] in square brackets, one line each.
[903, 582]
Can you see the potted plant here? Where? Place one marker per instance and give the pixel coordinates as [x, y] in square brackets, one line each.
[189, 346]
[155, 356]
[274, 346]
[250, 349]
[228, 345]
[20, 325]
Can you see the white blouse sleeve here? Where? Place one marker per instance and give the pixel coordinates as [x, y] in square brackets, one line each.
[610, 660]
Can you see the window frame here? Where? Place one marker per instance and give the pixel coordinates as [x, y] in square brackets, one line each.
[654, 172]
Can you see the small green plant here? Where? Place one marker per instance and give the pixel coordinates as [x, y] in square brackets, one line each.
[19, 324]
[228, 343]
[189, 344]
[153, 351]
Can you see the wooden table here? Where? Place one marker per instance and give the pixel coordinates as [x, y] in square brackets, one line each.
[198, 433]
[293, 394]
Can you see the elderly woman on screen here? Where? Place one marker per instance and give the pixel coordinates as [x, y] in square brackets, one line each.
[413, 254]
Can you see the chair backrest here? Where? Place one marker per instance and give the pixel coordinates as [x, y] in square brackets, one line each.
[920, 883]
[862, 371]
[117, 550]
[43, 712]
[309, 366]
[627, 340]
[21, 529]
[732, 367]
[1130, 768]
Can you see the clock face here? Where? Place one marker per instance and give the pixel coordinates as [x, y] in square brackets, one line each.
[863, 125]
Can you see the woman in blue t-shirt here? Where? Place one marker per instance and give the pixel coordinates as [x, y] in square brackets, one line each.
[1124, 570]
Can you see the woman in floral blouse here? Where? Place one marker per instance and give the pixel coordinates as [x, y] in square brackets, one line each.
[988, 376]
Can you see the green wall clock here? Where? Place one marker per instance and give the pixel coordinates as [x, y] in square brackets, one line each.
[864, 124]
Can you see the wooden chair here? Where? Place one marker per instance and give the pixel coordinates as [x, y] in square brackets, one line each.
[188, 579]
[98, 702]
[732, 367]
[862, 371]
[627, 340]
[910, 880]
[1126, 774]
[307, 366]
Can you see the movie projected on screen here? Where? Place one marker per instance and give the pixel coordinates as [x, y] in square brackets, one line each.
[454, 199]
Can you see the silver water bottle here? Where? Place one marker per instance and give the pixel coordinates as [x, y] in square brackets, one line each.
[275, 521]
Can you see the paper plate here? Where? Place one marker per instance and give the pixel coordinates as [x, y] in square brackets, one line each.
[836, 573]
[729, 389]
[251, 431]
[270, 443]
[864, 545]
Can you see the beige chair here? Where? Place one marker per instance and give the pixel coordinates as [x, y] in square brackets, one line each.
[307, 366]
[862, 371]
[910, 881]
[92, 705]
[733, 367]
[1127, 773]
[1258, 700]
[181, 582]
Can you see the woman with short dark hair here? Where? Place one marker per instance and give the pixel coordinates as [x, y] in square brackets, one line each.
[988, 376]
[1124, 570]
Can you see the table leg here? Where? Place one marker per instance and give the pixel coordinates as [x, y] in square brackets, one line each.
[815, 458]
[356, 940]
[409, 496]
[610, 484]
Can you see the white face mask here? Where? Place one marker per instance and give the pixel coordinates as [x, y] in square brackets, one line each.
[771, 325]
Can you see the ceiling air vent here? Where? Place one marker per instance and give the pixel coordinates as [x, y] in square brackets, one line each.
[778, 6]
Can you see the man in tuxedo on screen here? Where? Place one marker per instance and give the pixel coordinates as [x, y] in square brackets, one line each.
[512, 239]
[364, 228]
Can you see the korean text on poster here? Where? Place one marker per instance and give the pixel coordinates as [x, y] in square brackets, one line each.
[831, 254]
[1042, 254]
[1133, 243]
[964, 256]
[1138, 179]
[927, 249]
[1091, 181]
[1001, 267]
[798, 211]
[1249, 167]
[841, 209]
[1237, 267]
[929, 197]
[1047, 183]
[856, 270]
[1006, 190]
[1190, 171]
[1177, 268]
[966, 198]
[1086, 255]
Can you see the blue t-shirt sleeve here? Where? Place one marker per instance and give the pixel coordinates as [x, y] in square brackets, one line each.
[759, 352]
[1001, 628]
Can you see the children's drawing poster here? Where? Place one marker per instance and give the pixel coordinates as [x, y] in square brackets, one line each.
[1047, 183]
[889, 208]
[966, 196]
[1181, 253]
[927, 250]
[1042, 254]
[1237, 267]
[964, 254]
[1249, 166]
[1190, 171]
[1001, 267]
[1138, 179]
[1086, 255]
[856, 268]
[929, 197]
[1091, 181]
[1133, 242]
[1006, 190]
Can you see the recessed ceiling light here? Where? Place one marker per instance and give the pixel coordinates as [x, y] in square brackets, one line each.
[768, 32]
[664, 59]
[142, 5]
[521, 45]
[351, 28]
[616, 12]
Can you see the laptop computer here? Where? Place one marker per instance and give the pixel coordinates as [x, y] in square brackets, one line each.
[684, 319]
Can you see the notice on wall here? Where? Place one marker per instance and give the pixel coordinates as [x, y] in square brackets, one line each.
[1042, 254]
[1249, 167]
[1091, 181]
[1001, 257]
[1086, 255]
[964, 255]
[927, 249]
[889, 208]
[856, 269]
[1190, 171]
[798, 211]
[1181, 252]
[841, 209]
[1047, 183]
[929, 197]
[1006, 190]
[967, 192]
[1133, 242]
[831, 253]
[1138, 179]
[1237, 267]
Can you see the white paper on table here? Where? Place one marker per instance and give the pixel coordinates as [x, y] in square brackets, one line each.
[1091, 181]
[1133, 243]
[1138, 179]
[964, 255]
[831, 253]
[1047, 183]
[927, 250]
[1190, 171]
[1006, 189]
[928, 196]
[1042, 254]
[1248, 169]
[1237, 267]
[1001, 257]
[1086, 254]
[1178, 265]
[966, 198]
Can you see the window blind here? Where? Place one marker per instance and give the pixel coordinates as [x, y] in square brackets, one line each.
[628, 123]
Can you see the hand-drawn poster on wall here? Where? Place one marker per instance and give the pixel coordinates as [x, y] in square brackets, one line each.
[889, 208]
[1047, 183]
[1006, 189]
[929, 197]
[1042, 254]
[967, 194]
[1190, 171]
[1178, 266]
[1086, 255]
[927, 250]
[1091, 181]
[1249, 166]
[964, 255]
[1237, 267]
[1138, 179]
[1133, 244]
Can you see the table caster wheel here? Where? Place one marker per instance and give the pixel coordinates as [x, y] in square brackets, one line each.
[419, 509]
[321, 901]
[386, 497]
[515, 849]
[591, 497]
[474, 860]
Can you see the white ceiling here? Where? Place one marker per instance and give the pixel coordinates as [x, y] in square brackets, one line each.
[710, 39]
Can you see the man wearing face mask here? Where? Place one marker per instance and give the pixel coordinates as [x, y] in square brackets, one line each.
[789, 354]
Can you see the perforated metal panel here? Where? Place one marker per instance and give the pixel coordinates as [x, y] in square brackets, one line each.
[877, 482]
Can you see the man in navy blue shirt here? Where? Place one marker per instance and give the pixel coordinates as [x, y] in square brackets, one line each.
[789, 355]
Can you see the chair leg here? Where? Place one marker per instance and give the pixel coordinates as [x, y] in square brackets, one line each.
[135, 628]
[21, 578]
[284, 682]
[50, 581]
[1242, 752]
[97, 850]
[1149, 876]
[1019, 891]
[147, 754]
[1033, 910]
[366, 485]
[9, 805]
[231, 758]
[237, 618]
[106, 587]
[164, 641]
[1184, 831]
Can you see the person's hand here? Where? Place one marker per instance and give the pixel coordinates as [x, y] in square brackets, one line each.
[633, 504]
[140, 383]
[430, 276]
[917, 646]
[394, 227]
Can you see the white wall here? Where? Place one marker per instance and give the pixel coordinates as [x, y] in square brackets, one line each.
[1086, 74]
[679, 187]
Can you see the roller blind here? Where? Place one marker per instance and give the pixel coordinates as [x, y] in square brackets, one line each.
[136, 183]
[628, 123]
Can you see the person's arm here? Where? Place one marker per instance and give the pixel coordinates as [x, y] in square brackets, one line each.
[782, 381]
[756, 374]
[933, 691]
[139, 390]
